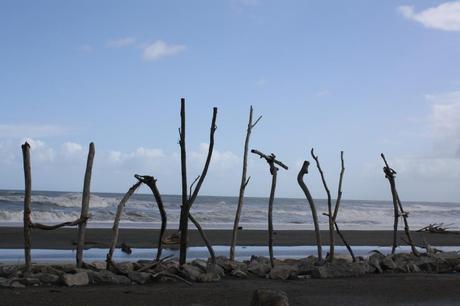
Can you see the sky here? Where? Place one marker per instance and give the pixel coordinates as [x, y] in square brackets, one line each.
[364, 77]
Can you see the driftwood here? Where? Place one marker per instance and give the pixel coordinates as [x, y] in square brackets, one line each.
[85, 205]
[152, 183]
[53, 227]
[27, 198]
[303, 186]
[116, 222]
[398, 209]
[329, 207]
[272, 161]
[206, 241]
[187, 200]
[437, 228]
[244, 183]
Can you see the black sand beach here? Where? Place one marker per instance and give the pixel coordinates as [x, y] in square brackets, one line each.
[12, 237]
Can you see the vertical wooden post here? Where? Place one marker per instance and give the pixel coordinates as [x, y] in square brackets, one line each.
[183, 223]
[244, 183]
[85, 205]
[273, 171]
[27, 198]
[116, 222]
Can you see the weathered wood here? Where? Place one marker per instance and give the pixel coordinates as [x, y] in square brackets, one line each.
[27, 198]
[243, 184]
[183, 223]
[152, 183]
[306, 191]
[329, 207]
[350, 250]
[271, 160]
[206, 241]
[85, 205]
[187, 202]
[398, 209]
[116, 222]
[56, 226]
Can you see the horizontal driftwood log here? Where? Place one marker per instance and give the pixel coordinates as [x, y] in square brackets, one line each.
[56, 226]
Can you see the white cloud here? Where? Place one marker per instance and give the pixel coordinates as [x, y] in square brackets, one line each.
[12, 131]
[221, 160]
[160, 49]
[445, 16]
[121, 42]
[72, 149]
[40, 151]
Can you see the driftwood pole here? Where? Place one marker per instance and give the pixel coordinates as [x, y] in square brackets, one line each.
[329, 208]
[244, 183]
[187, 201]
[398, 209]
[27, 198]
[85, 205]
[152, 183]
[303, 186]
[271, 160]
[116, 222]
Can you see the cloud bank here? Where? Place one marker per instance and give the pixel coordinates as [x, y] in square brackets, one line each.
[445, 16]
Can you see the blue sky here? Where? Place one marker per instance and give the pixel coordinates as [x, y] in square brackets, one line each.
[361, 76]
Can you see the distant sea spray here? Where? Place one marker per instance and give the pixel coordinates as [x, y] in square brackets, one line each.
[218, 212]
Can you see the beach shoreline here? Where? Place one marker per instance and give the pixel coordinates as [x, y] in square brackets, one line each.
[64, 238]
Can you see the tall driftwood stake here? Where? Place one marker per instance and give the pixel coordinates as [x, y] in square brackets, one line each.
[272, 161]
[187, 202]
[27, 198]
[85, 205]
[398, 209]
[303, 186]
[183, 223]
[116, 221]
[329, 208]
[152, 183]
[244, 183]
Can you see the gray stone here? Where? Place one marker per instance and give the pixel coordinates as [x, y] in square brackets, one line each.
[375, 261]
[201, 264]
[125, 267]
[107, 277]
[283, 272]
[388, 263]
[209, 277]
[139, 277]
[16, 284]
[452, 258]
[77, 279]
[269, 297]
[8, 270]
[191, 272]
[48, 278]
[239, 274]
[30, 281]
[337, 270]
[98, 265]
[259, 265]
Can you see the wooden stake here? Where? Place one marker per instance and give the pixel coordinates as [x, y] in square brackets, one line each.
[206, 241]
[116, 222]
[85, 205]
[271, 160]
[244, 183]
[302, 172]
[27, 198]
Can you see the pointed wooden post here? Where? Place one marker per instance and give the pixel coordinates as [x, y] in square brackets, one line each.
[85, 205]
[27, 198]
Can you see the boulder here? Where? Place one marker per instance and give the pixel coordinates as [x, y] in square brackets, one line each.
[77, 279]
[375, 261]
[107, 277]
[259, 265]
[239, 274]
[98, 265]
[125, 267]
[30, 281]
[284, 272]
[8, 270]
[388, 263]
[139, 277]
[209, 277]
[48, 278]
[269, 297]
[337, 270]
[191, 272]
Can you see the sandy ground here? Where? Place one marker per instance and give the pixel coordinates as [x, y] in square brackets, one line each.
[11, 237]
[389, 289]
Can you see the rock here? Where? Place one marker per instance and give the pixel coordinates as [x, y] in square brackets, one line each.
[48, 278]
[388, 263]
[30, 281]
[8, 270]
[337, 270]
[107, 277]
[239, 274]
[259, 265]
[209, 277]
[125, 267]
[16, 284]
[201, 264]
[345, 258]
[225, 263]
[99, 265]
[139, 277]
[452, 258]
[375, 261]
[283, 272]
[191, 272]
[269, 297]
[77, 279]
[66, 268]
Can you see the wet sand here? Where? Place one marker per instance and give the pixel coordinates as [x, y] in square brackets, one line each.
[12, 237]
[388, 289]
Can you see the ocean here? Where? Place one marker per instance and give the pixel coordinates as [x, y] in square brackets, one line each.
[217, 212]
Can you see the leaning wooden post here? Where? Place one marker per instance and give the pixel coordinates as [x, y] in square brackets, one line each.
[329, 208]
[85, 205]
[302, 172]
[271, 160]
[244, 183]
[27, 198]
[116, 222]
[152, 183]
